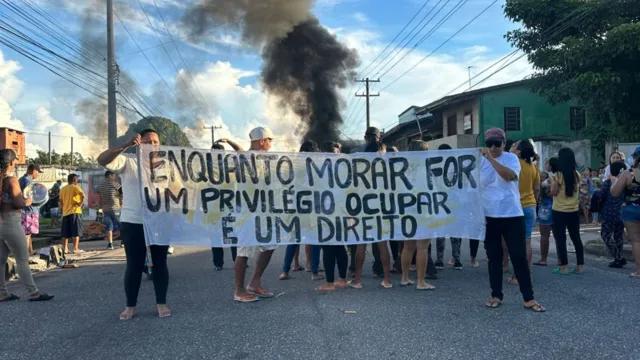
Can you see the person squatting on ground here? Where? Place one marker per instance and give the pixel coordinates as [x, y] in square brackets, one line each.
[628, 186]
[612, 228]
[71, 200]
[12, 237]
[505, 218]
[135, 246]
[566, 212]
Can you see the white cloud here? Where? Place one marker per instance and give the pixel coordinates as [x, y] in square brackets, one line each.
[360, 17]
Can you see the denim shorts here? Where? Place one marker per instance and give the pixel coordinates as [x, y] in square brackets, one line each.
[630, 213]
[544, 212]
[111, 221]
[529, 219]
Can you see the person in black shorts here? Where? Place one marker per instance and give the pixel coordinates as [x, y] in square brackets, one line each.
[71, 200]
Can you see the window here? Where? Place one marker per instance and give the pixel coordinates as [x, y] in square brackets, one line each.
[467, 123]
[512, 119]
[578, 118]
[452, 125]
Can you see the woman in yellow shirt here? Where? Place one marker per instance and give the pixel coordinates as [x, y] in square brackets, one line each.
[566, 212]
[529, 186]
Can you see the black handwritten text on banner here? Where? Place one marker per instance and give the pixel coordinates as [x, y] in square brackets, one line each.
[216, 198]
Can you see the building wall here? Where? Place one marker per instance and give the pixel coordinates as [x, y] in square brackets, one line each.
[537, 116]
[12, 139]
[459, 111]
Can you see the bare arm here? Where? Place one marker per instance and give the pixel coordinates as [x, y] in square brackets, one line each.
[233, 144]
[620, 183]
[109, 155]
[16, 194]
[536, 186]
[555, 187]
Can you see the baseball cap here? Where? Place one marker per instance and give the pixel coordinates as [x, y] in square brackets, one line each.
[34, 167]
[372, 130]
[495, 134]
[260, 133]
[636, 152]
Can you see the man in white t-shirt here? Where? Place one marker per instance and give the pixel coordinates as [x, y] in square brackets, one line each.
[505, 218]
[260, 141]
[126, 165]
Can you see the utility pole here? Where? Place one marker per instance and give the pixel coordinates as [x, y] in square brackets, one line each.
[49, 147]
[72, 151]
[112, 125]
[213, 133]
[469, 70]
[368, 95]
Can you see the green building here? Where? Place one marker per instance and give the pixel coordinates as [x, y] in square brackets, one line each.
[460, 121]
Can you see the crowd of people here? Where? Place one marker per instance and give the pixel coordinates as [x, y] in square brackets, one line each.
[515, 197]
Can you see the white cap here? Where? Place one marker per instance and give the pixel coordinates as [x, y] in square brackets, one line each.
[260, 133]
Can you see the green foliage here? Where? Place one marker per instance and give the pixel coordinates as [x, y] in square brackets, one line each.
[42, 158]
[594, 60]
[169, 132]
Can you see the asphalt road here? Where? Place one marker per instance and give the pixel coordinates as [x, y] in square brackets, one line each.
[594, 316]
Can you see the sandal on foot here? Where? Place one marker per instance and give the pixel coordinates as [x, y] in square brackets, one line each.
[354, 285]
[426, 288]
[11, 297]
[42, 297]
[299, 268]
[409, 282]
[166, 312]
[284, 276]
[512, 280]
[245, 298]
[575, 271]
[494, 304]
[386, 286]
[535, 308]
[538, 263]
[263, 293]
[560, 272]
[635, 275]
[127, 316]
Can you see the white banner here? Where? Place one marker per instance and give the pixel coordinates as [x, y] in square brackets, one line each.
[217, 198]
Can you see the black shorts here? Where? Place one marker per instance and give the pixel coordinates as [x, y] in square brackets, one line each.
[71, 226]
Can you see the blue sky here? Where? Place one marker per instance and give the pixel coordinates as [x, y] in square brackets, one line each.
[226, 70]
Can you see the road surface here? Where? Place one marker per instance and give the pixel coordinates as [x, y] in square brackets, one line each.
[594, 316]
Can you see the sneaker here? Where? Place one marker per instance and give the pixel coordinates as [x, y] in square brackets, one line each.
[439, 265]
[616, 264]
[110, 246]
[457, 265]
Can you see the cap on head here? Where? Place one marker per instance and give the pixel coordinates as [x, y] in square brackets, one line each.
[33, 167]
[260, 133]
[495, 134]
[372, 131]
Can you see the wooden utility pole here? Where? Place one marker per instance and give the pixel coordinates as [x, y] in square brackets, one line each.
[112, 123]
[368, 95]
[213, 133]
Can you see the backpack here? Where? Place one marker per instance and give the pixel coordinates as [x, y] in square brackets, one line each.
[597, 202]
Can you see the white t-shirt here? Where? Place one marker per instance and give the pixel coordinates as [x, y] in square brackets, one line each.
[126, 165]
[500, 198]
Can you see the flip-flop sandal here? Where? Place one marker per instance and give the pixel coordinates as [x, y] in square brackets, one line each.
[536, 308]
[428, 288]
[635, 275]
[354, 285]
[537, 263]
[493, 304]
[165, 315]
[11, 297]
[410, 282]
[128, 317]
[284, 277]
[246, 298]
[299, 268]
[389, 286]
[475, 264]
[560, 272]
[576, 272]
[42, 297]
[261, 293]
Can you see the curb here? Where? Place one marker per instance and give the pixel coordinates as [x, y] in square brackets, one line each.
[599, 249]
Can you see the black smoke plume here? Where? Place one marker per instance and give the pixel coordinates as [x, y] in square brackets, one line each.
[303, 64]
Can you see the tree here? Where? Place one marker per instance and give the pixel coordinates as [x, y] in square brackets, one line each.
[592, 57]
[42, 158]
[169, 132]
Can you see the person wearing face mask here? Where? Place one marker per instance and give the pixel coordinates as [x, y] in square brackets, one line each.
[505, 219]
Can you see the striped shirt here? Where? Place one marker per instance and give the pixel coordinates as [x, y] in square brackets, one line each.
[109, 195]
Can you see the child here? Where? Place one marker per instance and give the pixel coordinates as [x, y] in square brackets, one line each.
[612, 230]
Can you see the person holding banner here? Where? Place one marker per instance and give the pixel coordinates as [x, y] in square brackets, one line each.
[383, 248]
[260, 141]
[126, 165]
[218, 252]
[420, 247]
[505, 219]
